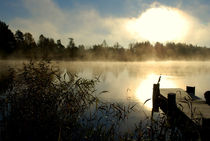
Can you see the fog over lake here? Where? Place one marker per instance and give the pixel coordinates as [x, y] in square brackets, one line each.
[134, 80]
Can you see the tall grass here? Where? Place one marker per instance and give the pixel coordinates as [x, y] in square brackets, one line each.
[45, 104]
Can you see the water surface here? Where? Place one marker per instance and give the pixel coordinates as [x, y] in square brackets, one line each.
[134, 80]
[131, 82]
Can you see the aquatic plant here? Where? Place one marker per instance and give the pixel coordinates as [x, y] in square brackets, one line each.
[46, 104]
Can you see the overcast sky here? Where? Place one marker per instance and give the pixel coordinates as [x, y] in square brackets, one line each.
[92, 21]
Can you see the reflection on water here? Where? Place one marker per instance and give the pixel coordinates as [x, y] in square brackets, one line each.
[144, 90]
[134, 80]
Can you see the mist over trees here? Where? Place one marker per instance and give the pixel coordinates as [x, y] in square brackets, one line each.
[21, 45]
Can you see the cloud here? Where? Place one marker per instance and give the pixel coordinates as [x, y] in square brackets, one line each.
[198, 32]
[87, 26]
[153, 19]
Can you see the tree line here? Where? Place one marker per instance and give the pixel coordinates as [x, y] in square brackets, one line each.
[21, 45]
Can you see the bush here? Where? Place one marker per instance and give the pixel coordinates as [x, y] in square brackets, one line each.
[48, 105]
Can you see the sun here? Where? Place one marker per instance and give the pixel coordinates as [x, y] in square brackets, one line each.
[159, 25]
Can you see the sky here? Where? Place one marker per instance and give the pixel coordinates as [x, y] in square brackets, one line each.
[124, 21]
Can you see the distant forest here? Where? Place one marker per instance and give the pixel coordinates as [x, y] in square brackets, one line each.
[21, 45]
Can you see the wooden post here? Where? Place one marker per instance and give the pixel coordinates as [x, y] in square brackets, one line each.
[205, 129]
[190, 90]
[155, 101]
[171, 103]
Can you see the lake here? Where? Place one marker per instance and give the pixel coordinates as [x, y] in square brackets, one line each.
[133, 81]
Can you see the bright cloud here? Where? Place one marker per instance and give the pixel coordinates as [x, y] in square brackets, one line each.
[198, 33]
[159, 24]
[88, 27]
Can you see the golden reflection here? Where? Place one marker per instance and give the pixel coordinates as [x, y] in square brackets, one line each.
[144, 90]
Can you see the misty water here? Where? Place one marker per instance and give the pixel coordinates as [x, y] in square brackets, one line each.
[134, 80]
[131, 82]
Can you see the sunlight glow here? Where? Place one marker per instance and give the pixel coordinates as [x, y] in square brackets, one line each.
[159, 25]
[144, 90]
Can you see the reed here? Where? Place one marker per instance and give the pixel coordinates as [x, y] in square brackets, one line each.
[45, 104]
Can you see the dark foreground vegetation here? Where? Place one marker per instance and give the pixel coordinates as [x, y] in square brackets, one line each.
[40, 103]
[22, 46]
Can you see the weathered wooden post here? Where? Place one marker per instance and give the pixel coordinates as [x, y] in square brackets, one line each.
[207, 97]
[155, 96]
[171, 103]
[171, 112]
[205, 129]
[190, 90]
[155, 102]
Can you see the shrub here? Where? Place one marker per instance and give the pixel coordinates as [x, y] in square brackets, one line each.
[48, 105]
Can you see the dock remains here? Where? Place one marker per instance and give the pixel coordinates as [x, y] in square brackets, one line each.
[184, 110]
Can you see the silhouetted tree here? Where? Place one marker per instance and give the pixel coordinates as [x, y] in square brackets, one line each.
[160, 51]
[19, 36]
[47, 46]
[30, 49]
[104, 44]
[24, 46]
[71, 43]
[29, 40]
[20, 44]
[7, 40]
[117, 45]
[59, 44]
